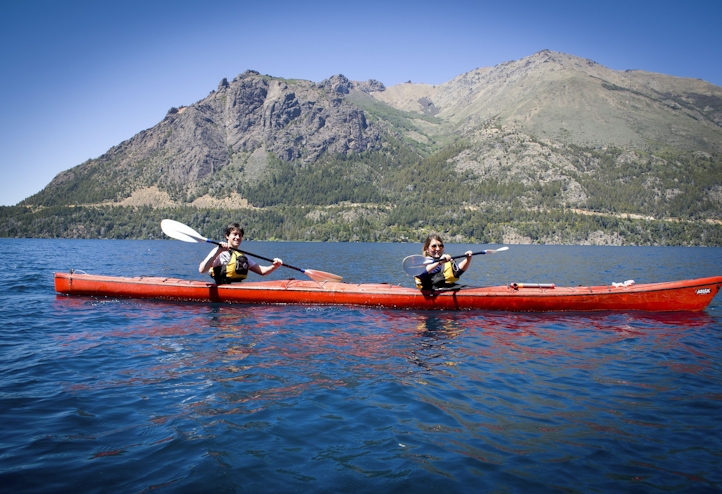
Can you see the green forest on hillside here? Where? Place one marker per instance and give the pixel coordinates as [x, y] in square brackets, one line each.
[394, 195]
[400, 224]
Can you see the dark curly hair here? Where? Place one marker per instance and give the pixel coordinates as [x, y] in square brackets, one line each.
[234, 226]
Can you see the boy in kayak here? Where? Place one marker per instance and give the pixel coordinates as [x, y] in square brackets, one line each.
[440, 274]
[227, 265]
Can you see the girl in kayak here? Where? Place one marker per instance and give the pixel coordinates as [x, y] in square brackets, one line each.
[227, 264]
[440, 274]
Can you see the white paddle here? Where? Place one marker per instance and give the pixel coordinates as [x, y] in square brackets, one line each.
[184, 233]
[416, 265]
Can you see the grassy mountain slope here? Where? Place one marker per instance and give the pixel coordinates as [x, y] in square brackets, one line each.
[573, 100]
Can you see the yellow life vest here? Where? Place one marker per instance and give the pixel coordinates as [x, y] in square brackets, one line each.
[440, 279]
[235, 271]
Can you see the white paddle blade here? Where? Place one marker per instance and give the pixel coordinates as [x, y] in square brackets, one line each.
[184, 238]
[181, 232]
[415, 265]
[497, 250]
[321, 276]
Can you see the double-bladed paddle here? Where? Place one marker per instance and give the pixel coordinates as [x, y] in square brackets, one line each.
[184, 233]
[416, 265]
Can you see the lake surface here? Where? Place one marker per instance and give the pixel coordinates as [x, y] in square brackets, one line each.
[104, 395]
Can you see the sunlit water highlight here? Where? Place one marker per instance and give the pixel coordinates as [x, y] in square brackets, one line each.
[101, 395]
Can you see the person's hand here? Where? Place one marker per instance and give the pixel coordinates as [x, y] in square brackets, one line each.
[223, 246]
[277, 262]
[468, 254]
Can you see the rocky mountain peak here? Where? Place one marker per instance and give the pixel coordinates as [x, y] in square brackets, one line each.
[247, 74]
[370, 86]
[338, 83]
[342, 85]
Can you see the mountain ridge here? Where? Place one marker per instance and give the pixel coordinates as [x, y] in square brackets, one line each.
[514, 91]
[551, 134]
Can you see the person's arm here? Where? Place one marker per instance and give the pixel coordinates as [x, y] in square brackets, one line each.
[264, 270]
[207, 263]
[465, 263]
[431, 267]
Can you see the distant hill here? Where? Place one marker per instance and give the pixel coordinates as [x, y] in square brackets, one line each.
[551, 148]
[575, 101]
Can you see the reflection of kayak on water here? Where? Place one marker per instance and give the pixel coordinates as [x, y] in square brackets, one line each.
[686, 295]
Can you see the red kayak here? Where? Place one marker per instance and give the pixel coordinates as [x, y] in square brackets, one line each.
[686, 295]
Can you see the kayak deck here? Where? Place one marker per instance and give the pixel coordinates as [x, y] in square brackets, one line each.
[685, 295]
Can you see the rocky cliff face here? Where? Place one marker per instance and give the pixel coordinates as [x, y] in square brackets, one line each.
[296, 121]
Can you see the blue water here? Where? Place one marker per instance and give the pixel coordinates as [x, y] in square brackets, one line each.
[103, 395]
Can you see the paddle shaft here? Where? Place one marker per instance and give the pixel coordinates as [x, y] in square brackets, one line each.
[481, 252]
[414, 265]
[256, 255]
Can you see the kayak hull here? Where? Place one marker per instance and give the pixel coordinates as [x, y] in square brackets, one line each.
[685, 295]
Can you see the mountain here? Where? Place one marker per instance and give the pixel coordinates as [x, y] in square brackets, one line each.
[517, 152]
[573, 100]
[236, 127]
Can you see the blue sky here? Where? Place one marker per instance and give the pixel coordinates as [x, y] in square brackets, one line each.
[79, 77]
